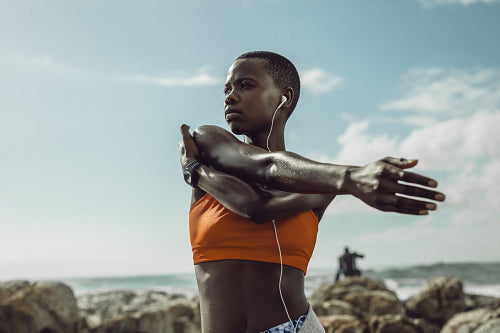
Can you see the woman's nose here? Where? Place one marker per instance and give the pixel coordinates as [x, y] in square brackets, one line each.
[231, 98]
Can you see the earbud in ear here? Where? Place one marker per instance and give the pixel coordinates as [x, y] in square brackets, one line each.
[283, 100]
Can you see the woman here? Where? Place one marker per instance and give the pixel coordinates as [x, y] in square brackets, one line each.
[255, 208]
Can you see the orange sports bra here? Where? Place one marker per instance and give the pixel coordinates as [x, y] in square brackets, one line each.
[217, 233]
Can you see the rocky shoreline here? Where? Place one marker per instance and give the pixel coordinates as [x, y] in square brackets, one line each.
[353, 305]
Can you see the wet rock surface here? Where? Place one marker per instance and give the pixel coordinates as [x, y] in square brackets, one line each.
[353, 305]
[37, 307]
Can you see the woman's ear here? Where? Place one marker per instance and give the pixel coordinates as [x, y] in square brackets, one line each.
[289, 94]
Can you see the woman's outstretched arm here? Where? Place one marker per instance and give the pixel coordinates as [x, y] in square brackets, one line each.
[377, 183]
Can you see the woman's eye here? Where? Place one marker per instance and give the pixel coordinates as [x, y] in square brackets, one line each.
[227, 91]
[245, 85]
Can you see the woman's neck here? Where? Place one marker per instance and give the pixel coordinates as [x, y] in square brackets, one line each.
[276, 141]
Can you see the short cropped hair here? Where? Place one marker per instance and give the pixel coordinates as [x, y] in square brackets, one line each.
[282, 71]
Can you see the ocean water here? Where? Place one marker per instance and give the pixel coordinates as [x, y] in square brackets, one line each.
[478, 278]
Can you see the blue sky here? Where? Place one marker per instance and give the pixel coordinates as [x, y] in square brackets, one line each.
[92, 94]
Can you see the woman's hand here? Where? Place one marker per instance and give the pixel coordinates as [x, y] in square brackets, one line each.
[187, 147]
[378, 185]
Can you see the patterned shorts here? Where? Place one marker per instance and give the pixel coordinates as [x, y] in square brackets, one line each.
[287, 327]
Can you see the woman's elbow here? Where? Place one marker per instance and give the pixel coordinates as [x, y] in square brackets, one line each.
[257, 214]
[208, 139]
[202, 136]
[206, 134]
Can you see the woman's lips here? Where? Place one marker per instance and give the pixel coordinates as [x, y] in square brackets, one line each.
[232, 114]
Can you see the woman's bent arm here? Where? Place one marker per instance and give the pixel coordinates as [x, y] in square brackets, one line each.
[254, 203]
[243, 198]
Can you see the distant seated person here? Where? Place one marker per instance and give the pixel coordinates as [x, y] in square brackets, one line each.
[347, 264]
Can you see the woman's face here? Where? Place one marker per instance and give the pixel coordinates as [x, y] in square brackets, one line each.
[251, 97]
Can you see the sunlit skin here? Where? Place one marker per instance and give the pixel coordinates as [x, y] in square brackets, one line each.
[242, 296]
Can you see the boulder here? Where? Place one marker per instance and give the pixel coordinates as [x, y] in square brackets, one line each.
[329, 291]
[361, 281]
[473, 302]
[364, 295]
[400, 324]
[145, 311]
[438, 300]
[483, 320]
[37, 307]
[376, 302]
[14, 320]
[491, 326]
[335, 307]
[342, 324]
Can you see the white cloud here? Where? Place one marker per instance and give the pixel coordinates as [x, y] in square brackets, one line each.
[359, 147]
[476, 193]
[44, 62]
[345, 204]
[317, 81]
[457, 147]
[467, 230]
[433, 94]
[444, 146]
[461, 143]
[450, 144]
[200, 78]
[47, 62]
[465, 3]
[470, 233]
[425, 240]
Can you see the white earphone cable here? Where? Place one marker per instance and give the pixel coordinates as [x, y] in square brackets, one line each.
[276, 231]
[272, 124]
[281, 277]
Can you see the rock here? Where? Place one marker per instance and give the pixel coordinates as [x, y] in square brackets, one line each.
[361, 281]
[376, 302]
[390, 323]
[353, 305]
[473, 302]
[13, 320]
[37, 307]
[329, 291]
[492, 326]
[363, 294]
[335, 307]
[343, 324]
[400, 324]
[483, 320]
[146, 311]
[438, 301]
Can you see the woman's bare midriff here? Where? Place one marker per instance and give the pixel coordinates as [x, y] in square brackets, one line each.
[243, 296]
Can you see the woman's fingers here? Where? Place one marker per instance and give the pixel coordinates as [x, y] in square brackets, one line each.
[185, 131]
[188, 146]
[402, 163]
[410, 190]
[415, 178]
[396, 203]
[396, 174]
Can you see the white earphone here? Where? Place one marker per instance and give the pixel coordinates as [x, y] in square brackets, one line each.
[283, 100]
